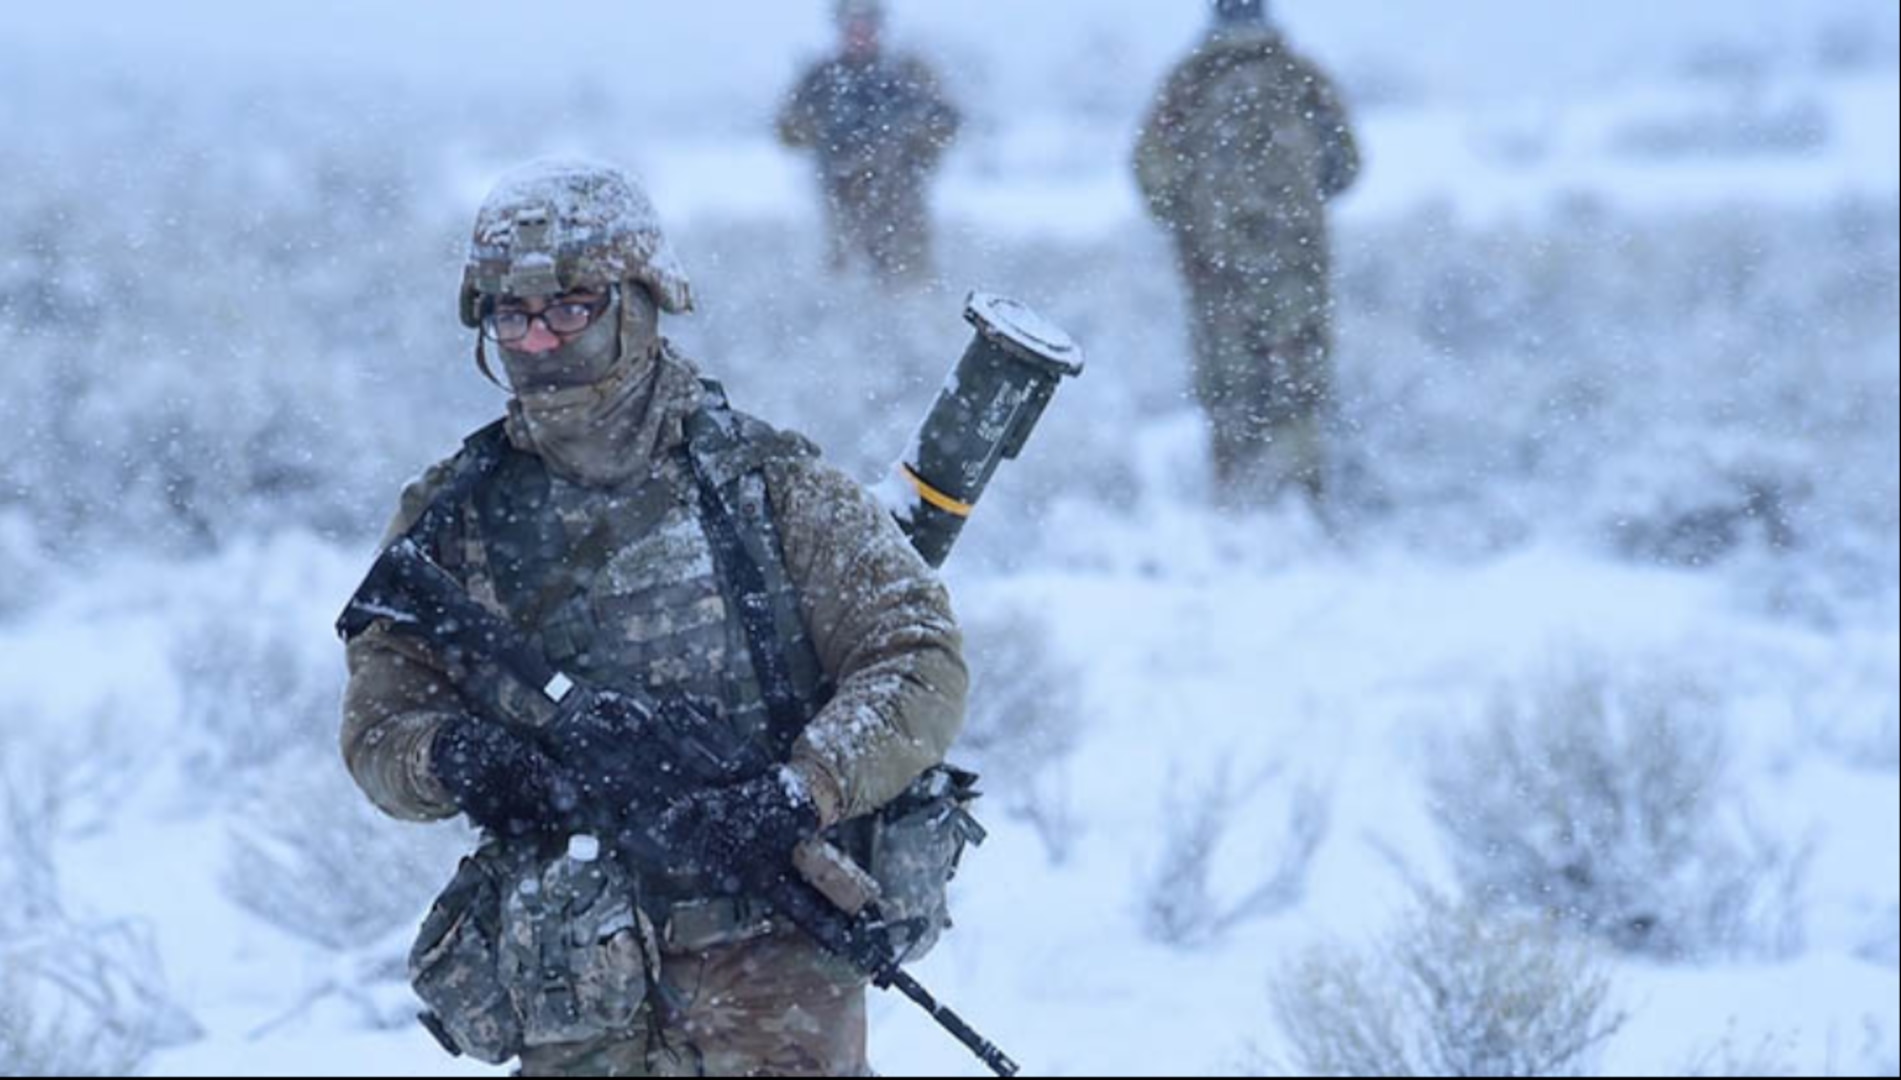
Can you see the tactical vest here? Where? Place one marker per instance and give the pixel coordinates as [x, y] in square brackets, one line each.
[1254, 201]
[671, 585]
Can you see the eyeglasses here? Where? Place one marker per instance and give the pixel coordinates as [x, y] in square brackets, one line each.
[563, 317]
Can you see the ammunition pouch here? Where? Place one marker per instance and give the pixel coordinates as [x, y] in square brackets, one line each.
[452, 965]
[527, 946]
[523, 949]
[916, 846]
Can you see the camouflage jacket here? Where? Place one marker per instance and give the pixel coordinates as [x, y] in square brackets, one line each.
[886, 117]
[1244, 144]
[878, 620]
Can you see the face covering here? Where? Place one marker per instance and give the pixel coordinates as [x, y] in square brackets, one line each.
[588, 407]
[582, 360]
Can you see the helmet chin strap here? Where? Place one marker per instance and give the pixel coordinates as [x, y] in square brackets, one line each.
[639, 322]
[481, 362]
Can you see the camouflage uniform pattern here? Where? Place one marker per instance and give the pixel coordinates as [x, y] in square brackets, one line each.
[877, 128]
[1244, 146]
[771, 1006]
[649, 610]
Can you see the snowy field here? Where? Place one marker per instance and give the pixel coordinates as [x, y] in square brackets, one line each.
[1617, 476]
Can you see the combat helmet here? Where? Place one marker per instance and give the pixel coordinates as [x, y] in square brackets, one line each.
[846, 12]
[1240, 11]
[555, 225]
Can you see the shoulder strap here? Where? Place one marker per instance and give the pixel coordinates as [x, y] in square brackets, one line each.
[727, 452]
[481, 455]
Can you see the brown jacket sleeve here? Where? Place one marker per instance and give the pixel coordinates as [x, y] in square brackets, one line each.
[938, 120]
[1162, 164]
[798, 124]
[395, 700]
[884, 632]
[1339, 150]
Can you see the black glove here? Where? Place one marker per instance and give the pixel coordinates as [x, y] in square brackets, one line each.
[502, 780]
[632, 759]
[601, 748]
[740, 836]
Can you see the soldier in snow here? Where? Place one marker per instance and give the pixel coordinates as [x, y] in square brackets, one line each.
[876, 124]
[1244, 147]
[642, 534]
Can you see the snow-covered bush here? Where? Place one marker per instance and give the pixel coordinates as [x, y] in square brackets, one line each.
[1024, 721]
[1855, 41]
[1782, 1054]
[78, 996]
[83, 999]
[1886, 1059]
[1706, 386]
[20, 562]
[1850, 708]
[221, 342]
[1887, 745]
[1607, 803]
[30, 809]
[310, 855]
[1882, 944]
[1733, 1055]
[1874, 742]
[257, 688]
[1199, 887]
[1863, 736]
[1741, 125]
[1454, 990]
[1696, 502]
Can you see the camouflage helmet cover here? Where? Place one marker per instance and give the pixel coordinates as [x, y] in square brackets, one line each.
[556, 225]
[1241, 11]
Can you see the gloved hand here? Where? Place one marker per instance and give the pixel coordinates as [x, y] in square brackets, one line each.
[602, 748]
[740, 836]
[501, 779]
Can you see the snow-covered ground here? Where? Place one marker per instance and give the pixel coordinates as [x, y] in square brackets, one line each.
[1619, 372]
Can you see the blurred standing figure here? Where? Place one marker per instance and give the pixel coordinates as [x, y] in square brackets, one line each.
[1238, 157]
[876, 123]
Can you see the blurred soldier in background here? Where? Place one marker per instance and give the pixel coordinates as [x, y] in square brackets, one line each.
[876, 124]
[1237, 159]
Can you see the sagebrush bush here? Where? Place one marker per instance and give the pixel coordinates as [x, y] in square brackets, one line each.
[78, 996]
[1733, 1055]
[1182, 902]
[84, 999]
[1454, 990]
[258, 688]
[1881, 943]
[1849, 706]
[1607, 804]
[311, 856]
[19, 562]
[1024, 721]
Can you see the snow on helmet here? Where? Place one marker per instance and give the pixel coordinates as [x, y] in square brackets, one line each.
[550, 226]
